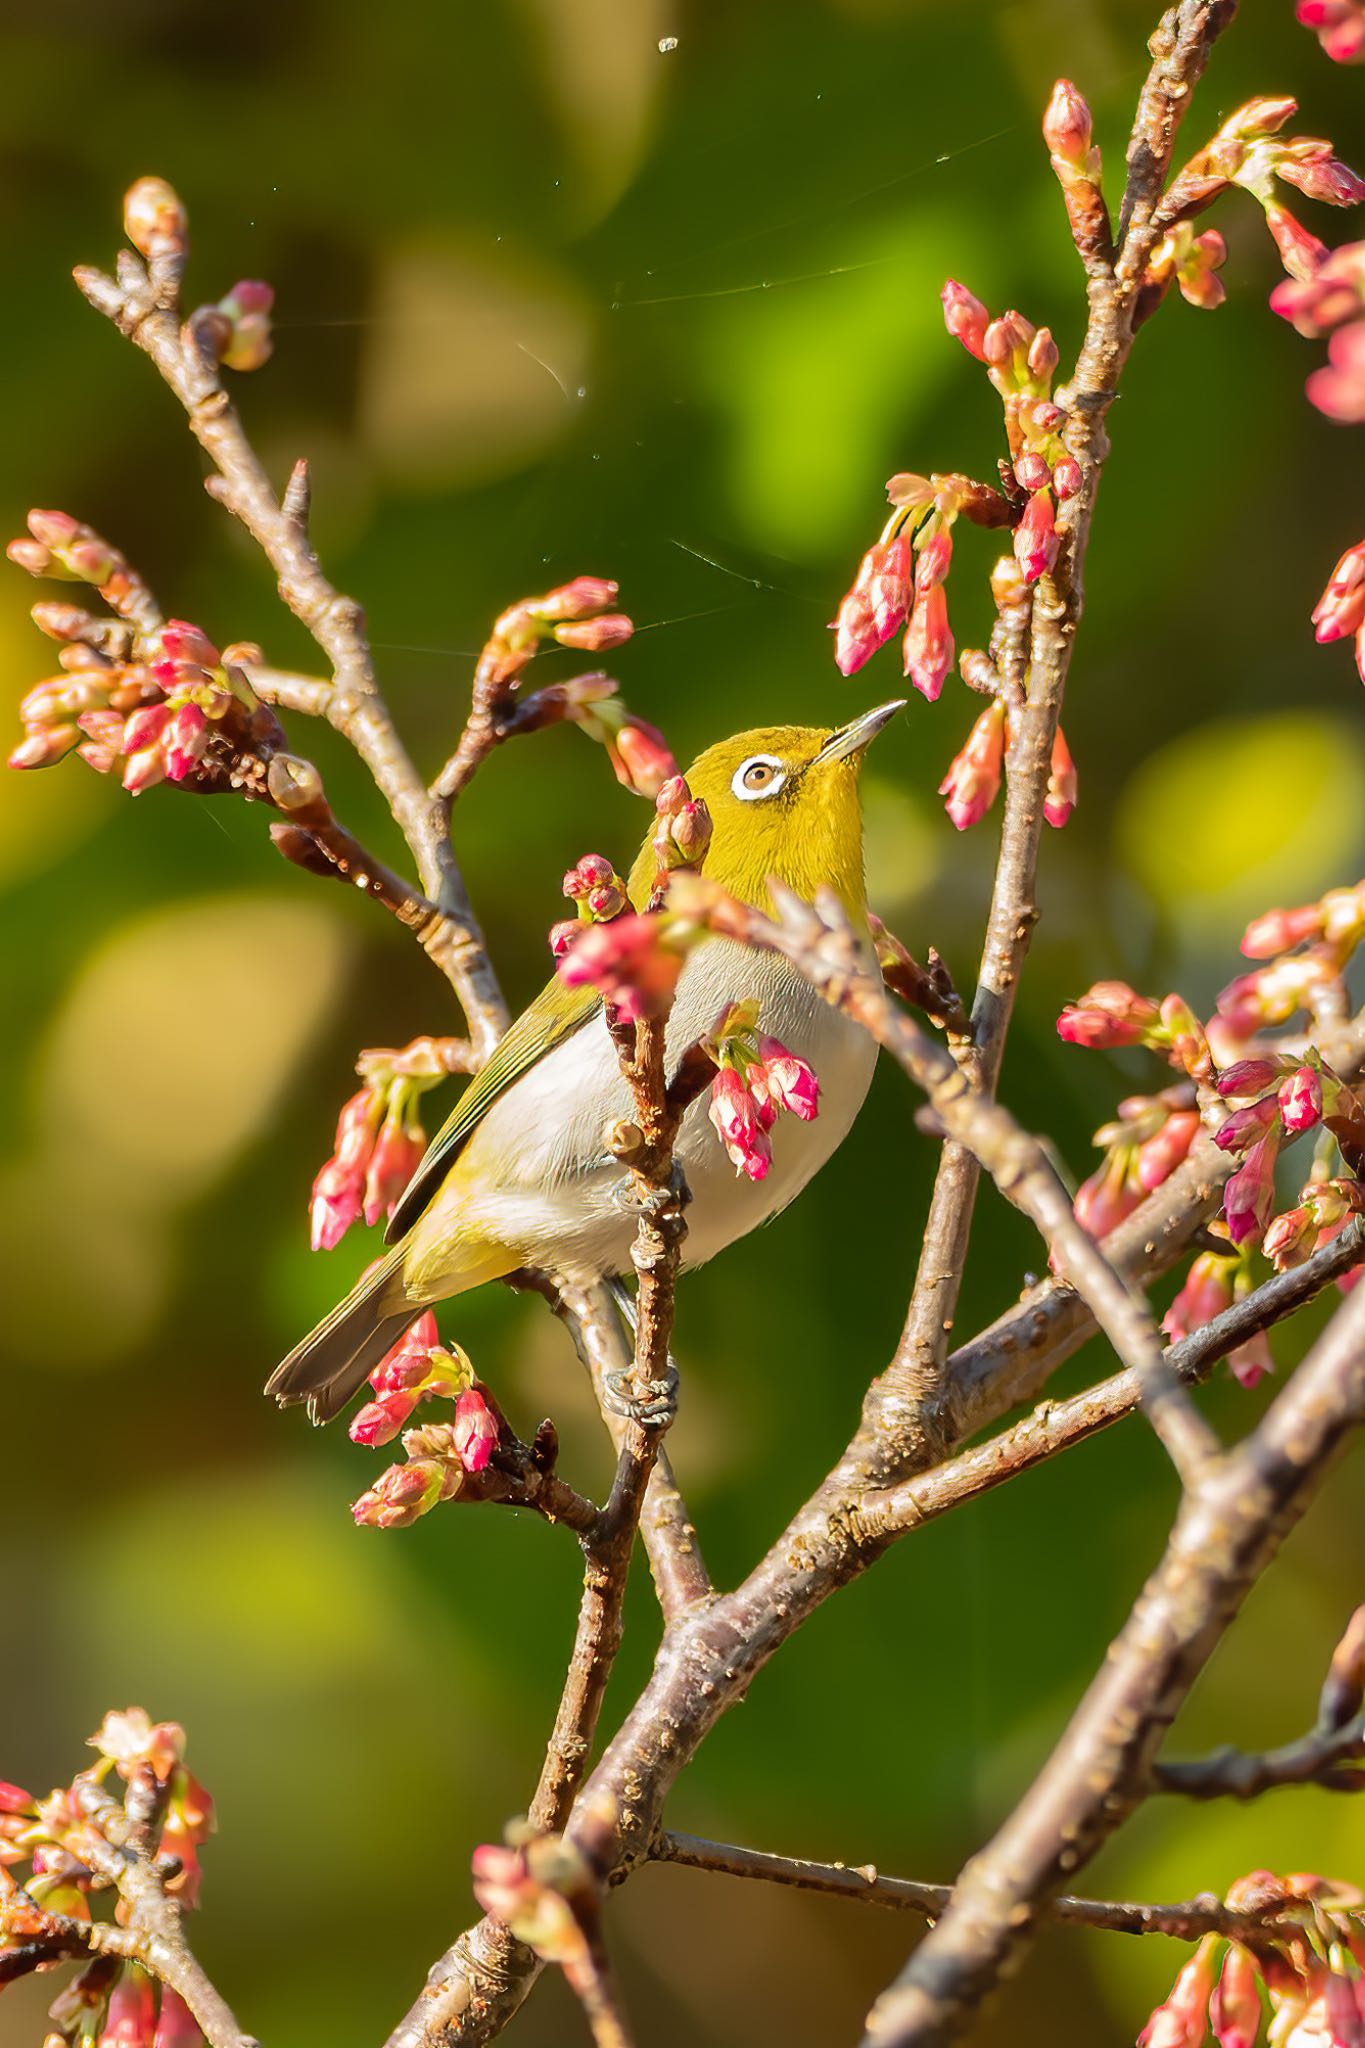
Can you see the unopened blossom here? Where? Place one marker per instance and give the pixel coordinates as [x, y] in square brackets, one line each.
[1300, 252]
[1339, 388]
[640, 756]
[402, 1495]
[594, 885]
[1339, 26]
[1181, 2021]
[1248, 1124]
[1235, 2008]
[1068, 128]
[1108, 1015]
[1150, 1138]
[1060, 799]
[1249, 1197]
[1035, 537]
[628, 963]
[176, 2026]
[735, 1115]
[1341, 608]
[965, 318]
[788, 1080]
[927, 650]
[1300, 1100]
[683, 831]
[130, 2020]
[475, 1430]
[973, 779]
[237, 329]
[154, 218]
[536, 1887]
[1272, 994]
[1109, 1195]
[338, 1195]
[1194, 261]
[1332, 295]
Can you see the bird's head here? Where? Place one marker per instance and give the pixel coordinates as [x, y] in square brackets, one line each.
[784, 801]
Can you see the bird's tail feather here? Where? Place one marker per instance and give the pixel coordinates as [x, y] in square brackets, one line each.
[340, 1354]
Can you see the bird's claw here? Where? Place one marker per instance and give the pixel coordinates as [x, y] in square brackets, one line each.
[657, 1411]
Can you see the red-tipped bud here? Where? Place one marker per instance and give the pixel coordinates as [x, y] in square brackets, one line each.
[1249, 1196]
[130, 2021]
[889, 585]
[641, 757]
[1035, 537]
[1300, 1100]
[965, 318]
[401, 1495]
[184, 741]
[575, 600]
[1339, 26]
[1259, 118]
[1109, 1014]
[1043, 355]
[154, 219]
[1301, 253]
[626, 961]
[1060, 800]
[789, 1082]
[178, 640]
[1246, 1126]
[1067, 125]
[735, 1116]
[43, 745]
[1312, 169]
[1250, 1077]
[1066, 476]
[928, 646]
[1341, 608]
[176, 2026]
[1182, 2020]
[1031, 472]
[562, 936]
[475, 1430]
[592, 636]
[683, 832]
[969, 788]
[379, 1422]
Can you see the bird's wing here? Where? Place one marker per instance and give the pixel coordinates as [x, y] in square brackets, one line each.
[556, 1012]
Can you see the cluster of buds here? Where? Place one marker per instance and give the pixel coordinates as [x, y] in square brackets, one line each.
[144, 1751]
[756, 1078]
[1335, 922]
[599, 894]
[438, 1455]
[113, 2006]
[1329, 301]
[1214, 1282]
[1152, 1135]
[179, 711]
[901, 583]
[237, 329]
[1341, 608]
[379, 1140]
[1249, 151]
[1111, 1014]
[1307, 1960]
[540, 1888]
[973, 780]
[1193, 261]
[1068, 131]
[577, 614]
[1339, 26]
[1279, 1097]
[682, 832]
[1324, 1208]
[1021, 360]
[633, 961]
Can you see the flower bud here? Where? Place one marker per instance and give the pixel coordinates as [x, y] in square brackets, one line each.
[575, 600]
[154, 219]
[683, 832]
[965, 318]
[44, 745]
[1302, 254]
[294, 784]
[1031, 471]
[1067, 125]
[379, 1422]
[641, 757]
[1035, 537]
[735, 1118]
[1108, 1015]
[592, 636]
[789, 1082]
[400, 1496]
[1300, 1100]
[1060, 800]
[178, 640]
[476, 1430]
[973, 776]
[246, 310]
[1338, 389]
[176, 2026]
[888, 588]
[1181, 2021]
[627, 962]
[928, 645]
[1250, 1194]
[1066, 476]
[1043, 355]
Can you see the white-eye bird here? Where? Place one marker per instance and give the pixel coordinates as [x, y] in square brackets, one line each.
[519, 1175]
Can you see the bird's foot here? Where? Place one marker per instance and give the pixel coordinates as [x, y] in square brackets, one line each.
[656, 1411]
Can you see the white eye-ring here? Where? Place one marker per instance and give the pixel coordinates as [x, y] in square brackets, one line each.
[761, 775]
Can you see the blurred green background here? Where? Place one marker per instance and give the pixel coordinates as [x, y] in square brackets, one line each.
[552, 299]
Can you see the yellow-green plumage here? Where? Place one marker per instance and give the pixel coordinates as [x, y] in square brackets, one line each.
[517, 1175]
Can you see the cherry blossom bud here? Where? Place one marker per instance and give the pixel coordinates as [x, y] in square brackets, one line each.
[1313, 170]
[1060, 800]
[400, 1496]
[562, 936]
[965, 318]
[184, 740]
[1181, 2021]
[1251, 1077]
[1290, 1237]
[476, 1430]
[178, 640]
[130, 2021]
[1249, 1196]
[928, 645]
[1110, 1014]
[969, 788]
[1067, 125]
[592, 636]
[1209, 1289]
[1109, 1195]
[735, 1117]
[1339, 26]
[1300, 1100]
[1066, 476]
[43, 745]
[393, 1372]
[889, 584]
[1339, 389]
[575, 600]
[1031, 472]
[1341, 608]
[855, 629]
[379, 1422]
[1300, 252]
[1248, 1124]
[176, 2026]
[790, 1083]
[641, 757]
[396, 1157]
[154, 219]
[1035, 537]
[1043, 355]
[1159, 1156]
[143, 769]
[246, 311]
[626, 961]
[934, 556]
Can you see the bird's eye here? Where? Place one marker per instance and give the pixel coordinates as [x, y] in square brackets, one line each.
[757, 777]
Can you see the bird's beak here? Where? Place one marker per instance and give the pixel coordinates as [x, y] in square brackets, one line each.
[851, 739]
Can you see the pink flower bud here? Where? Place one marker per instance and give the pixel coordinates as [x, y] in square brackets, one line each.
[144, 769]
[406, 1365]
[641, 757]
[735, 1117]
[1031, 471]
[592, 636]
[1290, 1237]
[1300, 1100]
[1060, 800]
[1249, 1196]
[1109, 1014]
[683, 832]
[145, 726]
[562, 936]
[1209, 1288]
[1067, 125]
[969, 788]
[178, 640]
[1159, 1156]
[184, 740]
[130, 2021]
[1035, 537]
[888, 586]
[1250, 1077]
[1259, 118]
[154, 219]
[379, 1422]
[1315, 172]
[1251, 1362]
[1181, 2021]
[1339, 26]
[43, 745]
[1341, 608]
[1066, 476]
[1300, 252]
[476, 1430]
[626, 961]
[1043, 355]
[1109, 1195]
[246, 309]
[855, 629]
[400, 1496]
[396, 1157]
[1248, 1124]
[791, 1084]
[965, 318]
[176, 2026]
[575, 600]
[934, 556]
[928, 645]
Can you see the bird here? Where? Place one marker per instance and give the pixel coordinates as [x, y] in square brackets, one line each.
[519, 1175]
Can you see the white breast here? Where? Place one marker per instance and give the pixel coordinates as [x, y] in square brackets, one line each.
[548, 1189]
